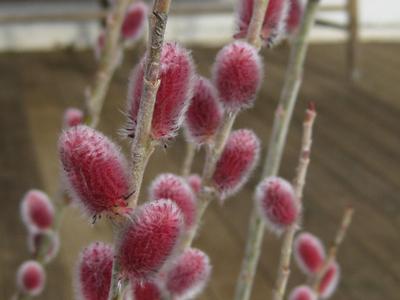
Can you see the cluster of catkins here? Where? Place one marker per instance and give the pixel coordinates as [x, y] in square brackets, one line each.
[98, 178]
[37, 213]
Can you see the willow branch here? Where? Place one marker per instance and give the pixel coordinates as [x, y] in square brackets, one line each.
[299, 181]
[111, 52]
[143, 145]
[189, 157]
[340, 235]
[207, 191]
[256, 23]
[277, 142]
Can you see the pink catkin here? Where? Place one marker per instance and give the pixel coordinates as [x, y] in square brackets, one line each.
[194, 181]
[188, 275]
[237, 161]
[99, 45]
[31, 278]
[95, 170]
[309, 253]
[237, 75]
[175, 188]
[302, 292]
[294, 17]
[329, 281]
[37, 211]
[148, 290]
[35, 239]
[135, 21]
[150, 239]
[273, 27]
[73, 117]
[174, 93]
[277, 203]
[93, 279]
[205, 112]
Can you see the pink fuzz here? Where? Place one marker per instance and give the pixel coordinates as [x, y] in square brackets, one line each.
[194, 181]
[174, 93]
[37, 211]
[95, 170]
[189, 274]
[150, 239]
[309, 253]
[35, 240]
[277, 203]
[72, 117]
[148, 290]
[94, 272]
[302, 292]
[274, 21]
[205, 112]
[31, 278]
[175, 188]
[237, 161]
[134, 22]
[237, 75]
[294, 18]
[330, 281]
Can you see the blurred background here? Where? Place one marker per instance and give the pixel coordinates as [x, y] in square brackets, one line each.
[352, 73]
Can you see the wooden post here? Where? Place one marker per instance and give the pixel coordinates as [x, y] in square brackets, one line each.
[352, 42]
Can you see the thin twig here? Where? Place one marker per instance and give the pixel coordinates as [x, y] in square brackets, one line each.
[340, 235]
[256, 23]
[207, 192]
[299, 181]
[189, 157]
[282, 120]
[143, 145]
[109, 59]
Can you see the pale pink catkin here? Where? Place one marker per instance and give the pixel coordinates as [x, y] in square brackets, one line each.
[37, 211]
[204, 114]
[237, 75]
[150, 239]
[302, 292]
[135, 21]
[329, 281]
[189, 274]
[277, 203]
[176, 189]
[73, 117]
[31, 278]
[174, 93]
[236, 163]
[309, 253]
[95, 171]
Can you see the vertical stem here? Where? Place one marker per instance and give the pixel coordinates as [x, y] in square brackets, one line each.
[212, 155]
[257, 20]
[282, 120]
[299, 181]
[188, 161]
[108, 63]
[352, 43]
[143, 145]
[340, 235]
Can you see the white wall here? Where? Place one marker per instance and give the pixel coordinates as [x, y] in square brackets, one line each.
[380, 20]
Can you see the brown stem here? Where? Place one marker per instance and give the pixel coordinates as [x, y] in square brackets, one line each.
[143, 145]
[282, 120]
[340, 235]
[299, 181]
[189, 157]
[111, 52]
[257, 20]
